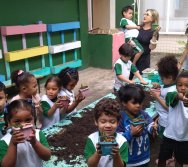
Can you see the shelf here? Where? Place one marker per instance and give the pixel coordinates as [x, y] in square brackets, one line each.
[26, 53]
[27, 29]
[64, 47]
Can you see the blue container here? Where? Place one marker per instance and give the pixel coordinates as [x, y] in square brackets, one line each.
[106, 147]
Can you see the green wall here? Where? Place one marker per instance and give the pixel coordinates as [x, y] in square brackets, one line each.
[119, 5]
[24, 12]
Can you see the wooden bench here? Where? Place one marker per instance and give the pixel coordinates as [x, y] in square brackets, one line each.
[63, 46]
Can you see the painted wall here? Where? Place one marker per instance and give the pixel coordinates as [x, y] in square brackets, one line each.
[29, 12]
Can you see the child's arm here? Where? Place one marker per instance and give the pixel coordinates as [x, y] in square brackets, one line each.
[79, 97]
[156, 95]
[137, 74]
[122, 78]
[129, 27]
[9, 160]
[41, 149]
[118, 162]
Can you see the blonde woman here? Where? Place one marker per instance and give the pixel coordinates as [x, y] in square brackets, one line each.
[147, 37]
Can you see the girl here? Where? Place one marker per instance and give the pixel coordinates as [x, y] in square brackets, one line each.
[27, 86]
[175, 140]
[51, 104]
[3, 100]
[16, 150]
[69, 79]
[135, 125]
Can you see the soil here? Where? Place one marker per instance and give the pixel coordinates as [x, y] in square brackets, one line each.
[73, 137]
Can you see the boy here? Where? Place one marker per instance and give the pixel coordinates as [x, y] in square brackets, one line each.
[131, 30]
[106, 113]
[124, 66]
[3, 99]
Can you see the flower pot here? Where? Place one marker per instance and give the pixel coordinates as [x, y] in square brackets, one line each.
[84, 91]
[64, 100]
[26, 130]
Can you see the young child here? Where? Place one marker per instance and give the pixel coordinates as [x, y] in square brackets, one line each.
[16, 150]
[168, 71]
[135, 125]
[69, 78]
[106, 115]
[124, 66]
[175, 139]
[27, 86]
[3, 100]
[131, 30]
[51, 104]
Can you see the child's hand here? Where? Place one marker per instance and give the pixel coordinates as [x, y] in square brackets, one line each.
[136, 130]
[98, 147]
[36, 99]
[17, 137]
[115, 150]
[156, 85]
[155, 93]
[79, 97]
[32, 138]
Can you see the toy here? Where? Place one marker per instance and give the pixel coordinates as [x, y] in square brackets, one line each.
[26, 129]
[84, 90]
[106, 143]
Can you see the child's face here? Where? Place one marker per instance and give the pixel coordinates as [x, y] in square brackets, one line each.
[132, 107]
[3, 99]
[107, 124]
[125, 58]
[52, 90]
[71, 85]
[167, 80]
[128, 14]
[32, 86]
[182, 85]
[21, 117]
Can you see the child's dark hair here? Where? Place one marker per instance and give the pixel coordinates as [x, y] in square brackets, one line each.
[183, 74]
[108, 106]
[126, 8]
[68, 74]
[131, 92]
[13, 108]
[126, 50]
[53, 79]
[2, 87]
[20, 77]
[168, 66]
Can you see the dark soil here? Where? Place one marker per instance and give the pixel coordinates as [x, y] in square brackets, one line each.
[73, 137]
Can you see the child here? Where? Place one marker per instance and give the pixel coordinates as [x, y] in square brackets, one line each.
[168, 71]
[135, 125]
[3, 100]
[175, 139]
[106, 114]
[69, 79]
[131, 30]
[16, 150]
[27, 86]
[51, 104]
[124, 66]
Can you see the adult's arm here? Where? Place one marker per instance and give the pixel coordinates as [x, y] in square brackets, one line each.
[183, 57]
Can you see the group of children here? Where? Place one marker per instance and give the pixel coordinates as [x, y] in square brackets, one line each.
[28, 108]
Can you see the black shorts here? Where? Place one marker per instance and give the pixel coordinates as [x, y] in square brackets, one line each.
[171, 147]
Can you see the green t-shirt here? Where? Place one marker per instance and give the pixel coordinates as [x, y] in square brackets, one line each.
[118, 69]
[171, 99]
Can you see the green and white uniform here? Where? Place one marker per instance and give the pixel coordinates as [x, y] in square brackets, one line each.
[163, 113]
[122, 68]
[106, 161]
[2, 123]
[46, 105]
[177, 126]
[26, 155]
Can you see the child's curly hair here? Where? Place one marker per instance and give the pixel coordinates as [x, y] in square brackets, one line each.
[168, 66]
[108, 106]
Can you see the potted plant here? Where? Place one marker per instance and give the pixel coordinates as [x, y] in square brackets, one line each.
[106, 143]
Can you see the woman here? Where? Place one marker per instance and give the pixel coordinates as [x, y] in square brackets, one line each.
[147, 38]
